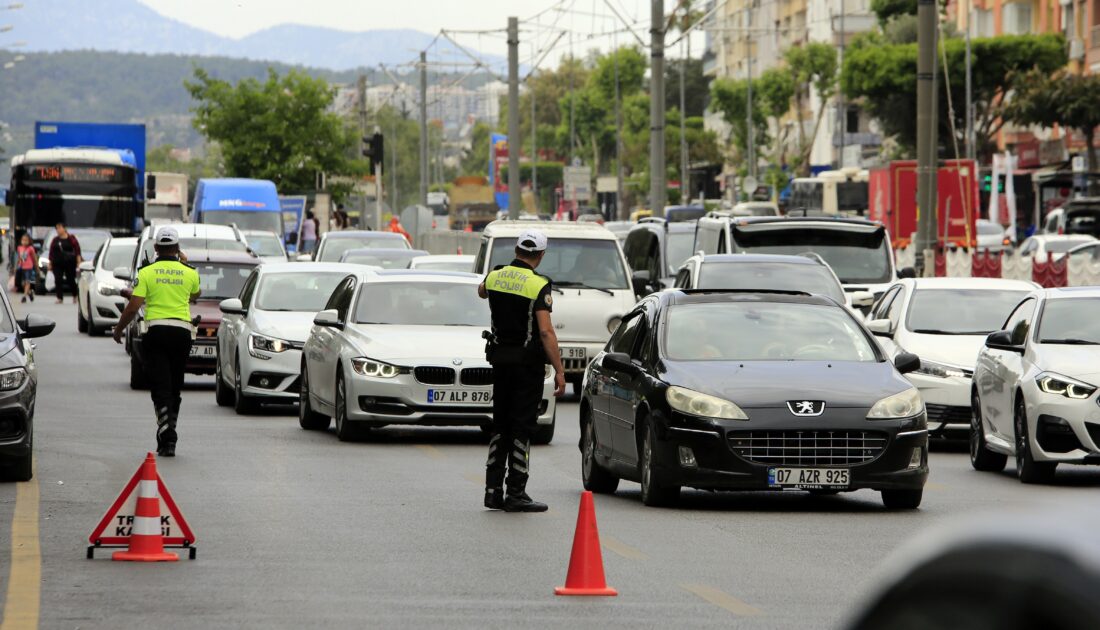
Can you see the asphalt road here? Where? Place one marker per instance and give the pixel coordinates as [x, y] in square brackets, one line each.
[296, 529]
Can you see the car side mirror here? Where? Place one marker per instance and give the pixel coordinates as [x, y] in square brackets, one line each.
[232, 306]
[121, 273]
[640, 282]
[881, 327]
[87, 265]
[329, 319]
[304, 258]
[907, 272]
[620, 362]
[907, 362]
[35, 325]
[1002, 340]
[862, 299]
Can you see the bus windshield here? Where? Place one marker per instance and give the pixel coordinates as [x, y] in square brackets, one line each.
[78, 195]
[246, 219]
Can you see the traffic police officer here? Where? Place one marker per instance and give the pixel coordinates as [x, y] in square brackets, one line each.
[166, 287]
[523, 342]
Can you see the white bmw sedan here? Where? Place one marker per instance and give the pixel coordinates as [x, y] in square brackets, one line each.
[1035, 386]
[262, 332]
[944, 321]
[403, 347]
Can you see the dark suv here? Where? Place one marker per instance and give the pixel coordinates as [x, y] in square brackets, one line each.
[222, 274]
[655, 249]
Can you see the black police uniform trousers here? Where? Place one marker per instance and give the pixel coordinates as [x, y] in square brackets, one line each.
[517, 393]
[166, 349]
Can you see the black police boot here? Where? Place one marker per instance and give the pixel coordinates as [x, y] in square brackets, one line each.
[520, 502]
[166, 434]
[494, 498]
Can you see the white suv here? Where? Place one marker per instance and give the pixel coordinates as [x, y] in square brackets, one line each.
[592, 283]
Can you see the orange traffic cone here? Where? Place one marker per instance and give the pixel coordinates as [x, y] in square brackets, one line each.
[585, 575]
[146, 542]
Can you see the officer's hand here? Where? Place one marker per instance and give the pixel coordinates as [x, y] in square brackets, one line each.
[559, 384]
[117, 335]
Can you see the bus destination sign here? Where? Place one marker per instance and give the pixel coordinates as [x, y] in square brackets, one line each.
[76, 173]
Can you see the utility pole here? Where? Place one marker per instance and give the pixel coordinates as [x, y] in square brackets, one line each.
[657, 173]
[424, 128]
[514, 193]
[685, 188]
[970, 150]
[619, 210]
[572, 96]
[751, 142]
[841, 107]
[534, 149]
[361, 94]
[926, 130]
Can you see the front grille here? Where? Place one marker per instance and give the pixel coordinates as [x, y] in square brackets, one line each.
[477, 376]
[948, 413]
[575, 365]
[808, 448]
[435, 375]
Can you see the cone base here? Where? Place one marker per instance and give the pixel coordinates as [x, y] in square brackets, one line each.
[605, 591]
[129, 556]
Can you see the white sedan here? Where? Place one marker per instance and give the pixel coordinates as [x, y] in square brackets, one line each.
[100, 302]
[403, 347]
[262, 332]
[944, 321]
[1035, 386]
[1054, 246]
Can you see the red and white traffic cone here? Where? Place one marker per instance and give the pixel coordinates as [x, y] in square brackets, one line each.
[585, 576]
[146, 542]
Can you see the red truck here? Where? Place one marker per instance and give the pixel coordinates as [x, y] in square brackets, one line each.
[893, 201]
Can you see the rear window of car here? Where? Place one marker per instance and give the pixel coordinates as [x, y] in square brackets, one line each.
[770, 275]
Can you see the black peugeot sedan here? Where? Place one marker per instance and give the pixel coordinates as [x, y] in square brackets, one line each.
[18, 388]
[761, 390]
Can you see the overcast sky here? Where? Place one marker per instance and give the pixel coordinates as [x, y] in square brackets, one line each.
[237, 18]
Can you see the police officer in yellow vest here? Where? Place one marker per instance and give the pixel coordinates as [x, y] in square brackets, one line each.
[166, 287]
[523, 343]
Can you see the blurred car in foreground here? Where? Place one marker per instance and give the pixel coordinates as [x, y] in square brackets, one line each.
[443, 262]
[18, 390]
[383, 258]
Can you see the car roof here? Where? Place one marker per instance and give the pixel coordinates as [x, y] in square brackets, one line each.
[310, 267]
[194, 230]
[992, 284]
[385, 251]
[221, 256]
[834, 222]
[1043, 238]
[363, 234]
[443, 257]
[559, 229]
[716, 296]
[659, 224]
[760, 258]
[420, 275]
[1071, 292]
[123, 240]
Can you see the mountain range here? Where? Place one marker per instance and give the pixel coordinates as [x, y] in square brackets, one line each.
[132, 27]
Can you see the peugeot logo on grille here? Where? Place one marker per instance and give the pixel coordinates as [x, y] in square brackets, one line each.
[806, 407]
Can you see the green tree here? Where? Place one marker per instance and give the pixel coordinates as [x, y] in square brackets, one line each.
[730, 98]
[1063, 98]
[695, 85]
[280, 129]
[159, 159]
[887, 9]
[812, 66]
[776, 87]
[476, 160]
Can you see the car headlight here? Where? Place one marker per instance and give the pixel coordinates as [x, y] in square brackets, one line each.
[109, 290]
[12, 379]
[267, 344]
[941, 370]
[370, 367]
[697, 404]
[1059, 385]
[903, 405]
[613, 324]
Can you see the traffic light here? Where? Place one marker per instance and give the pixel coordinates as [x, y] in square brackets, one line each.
[373, 150]
[987, 184]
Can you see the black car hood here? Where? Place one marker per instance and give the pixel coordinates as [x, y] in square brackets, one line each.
[760, 384]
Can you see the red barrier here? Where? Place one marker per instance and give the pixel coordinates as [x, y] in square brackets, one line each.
[986, 264]
[1052, 273]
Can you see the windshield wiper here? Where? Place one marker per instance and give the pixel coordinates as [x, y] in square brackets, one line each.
[935, 331]
[581, 285]
[1072, 342]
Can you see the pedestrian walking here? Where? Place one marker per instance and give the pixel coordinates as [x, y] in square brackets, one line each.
[64, 259]
[166, 288]
[310, 227]
[522, 343]
[26, 264]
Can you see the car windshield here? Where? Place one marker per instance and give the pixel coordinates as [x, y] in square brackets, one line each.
[679, 249]
[421, 304]
[573, 262]
[386, 260]
[855, 255]
[265, 244]
[191, 243]
[989, 229]
[246, 219]
[779, 276]
[1070, 321]
[960, 311]
[851, 196]
[455, 265]
[118, 255]
[296, 291]
[684, 213]
[221, 281]
[334, 247]
[1083, 221]
[764, 331]
[1063, 245]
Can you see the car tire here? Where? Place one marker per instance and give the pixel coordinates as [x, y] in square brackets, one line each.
[1027, 469]
[544, 433]
[223, 395]
[594, 476]
[243, 404]
[655, 491]
[309, 419]
[138, 379]
[81, 321]
[981, 458]
[902, 499]
[21, 469]
[346, 431]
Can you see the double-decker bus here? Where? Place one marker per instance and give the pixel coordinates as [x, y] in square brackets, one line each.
[81, 187]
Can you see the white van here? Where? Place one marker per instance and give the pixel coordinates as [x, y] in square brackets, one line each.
[592, 283]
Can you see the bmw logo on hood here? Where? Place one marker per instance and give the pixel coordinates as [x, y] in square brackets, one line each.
[456, 361]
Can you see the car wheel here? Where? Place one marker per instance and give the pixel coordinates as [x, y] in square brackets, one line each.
[81, 321]
[242, 403]
[544, 433]
[595, 478]
[223, 395]
[138, 379]
[902, 499]
[309, 419]
[981, 458]
[346, 431]
[1027, 469]
[655, 492]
